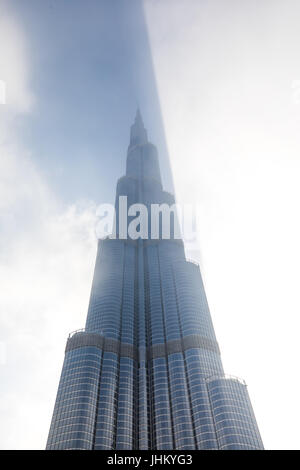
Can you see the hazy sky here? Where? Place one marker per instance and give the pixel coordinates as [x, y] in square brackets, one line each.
[228, 81]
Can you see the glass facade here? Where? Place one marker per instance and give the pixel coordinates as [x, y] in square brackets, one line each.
[146, 371]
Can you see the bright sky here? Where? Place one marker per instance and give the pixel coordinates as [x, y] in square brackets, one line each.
[228, 78]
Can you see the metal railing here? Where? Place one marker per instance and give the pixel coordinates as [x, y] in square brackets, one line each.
[189, 260]
[83, 330]
[226, 377]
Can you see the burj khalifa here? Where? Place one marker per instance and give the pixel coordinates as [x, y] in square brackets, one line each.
[146, 371]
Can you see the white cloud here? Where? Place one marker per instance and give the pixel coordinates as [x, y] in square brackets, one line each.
[45, 278]
[226, 73]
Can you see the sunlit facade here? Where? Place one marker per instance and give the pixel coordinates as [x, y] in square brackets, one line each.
[146, 371]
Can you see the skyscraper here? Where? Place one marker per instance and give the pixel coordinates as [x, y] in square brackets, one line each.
[146, 371]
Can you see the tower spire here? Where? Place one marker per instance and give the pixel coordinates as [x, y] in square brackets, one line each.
[138, 117]
[138, 133]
